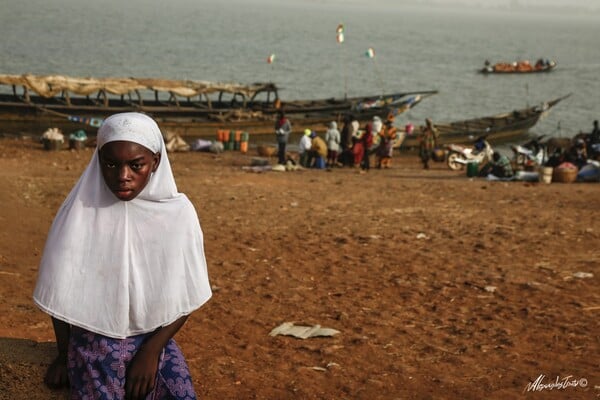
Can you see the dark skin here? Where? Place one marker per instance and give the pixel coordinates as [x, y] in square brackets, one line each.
[141, 371]
[126, 168]
[56, 374]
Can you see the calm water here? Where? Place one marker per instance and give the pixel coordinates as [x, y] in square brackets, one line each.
[229, 40]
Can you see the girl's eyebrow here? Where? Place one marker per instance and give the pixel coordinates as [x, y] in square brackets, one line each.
[127, 161]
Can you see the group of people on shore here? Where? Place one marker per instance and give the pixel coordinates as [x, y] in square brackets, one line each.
[354, 146]
[579, 152]
[351, 146]
[584, 147]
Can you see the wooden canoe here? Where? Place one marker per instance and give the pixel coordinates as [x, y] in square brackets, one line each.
[497, 128]
[32, 103]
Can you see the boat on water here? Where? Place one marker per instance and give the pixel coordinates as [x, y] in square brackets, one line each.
[34, 103]
[499, 128]
[518, 67]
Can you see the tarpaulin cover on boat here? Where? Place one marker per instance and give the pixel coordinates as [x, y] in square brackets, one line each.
[52, 85]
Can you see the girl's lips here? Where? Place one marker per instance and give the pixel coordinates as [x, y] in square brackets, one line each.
[122, 192]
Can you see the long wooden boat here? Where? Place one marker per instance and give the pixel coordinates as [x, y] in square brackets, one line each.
[33, 103]
[518, 67]
[499, 128]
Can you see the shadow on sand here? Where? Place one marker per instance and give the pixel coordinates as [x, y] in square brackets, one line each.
[23, 364]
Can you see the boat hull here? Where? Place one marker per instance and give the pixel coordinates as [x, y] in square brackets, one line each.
[190, 119]
[499, 128]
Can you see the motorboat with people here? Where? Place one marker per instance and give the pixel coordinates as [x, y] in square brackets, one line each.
[518, 67]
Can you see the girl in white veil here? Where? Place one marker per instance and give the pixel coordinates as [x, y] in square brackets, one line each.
[122, 269]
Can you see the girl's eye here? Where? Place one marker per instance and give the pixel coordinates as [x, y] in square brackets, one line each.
[110, 165]
[137, 166]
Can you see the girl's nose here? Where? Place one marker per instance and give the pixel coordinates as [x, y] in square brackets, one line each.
[124, 173]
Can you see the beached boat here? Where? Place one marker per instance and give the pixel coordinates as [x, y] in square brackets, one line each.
[32, 103]
[499, 128]
[518, 67]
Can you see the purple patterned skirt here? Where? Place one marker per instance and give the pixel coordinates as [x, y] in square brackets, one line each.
[97, 367]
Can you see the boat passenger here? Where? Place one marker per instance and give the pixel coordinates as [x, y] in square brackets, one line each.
[540, 64]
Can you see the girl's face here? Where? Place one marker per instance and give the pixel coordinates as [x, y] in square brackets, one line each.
[127, 167]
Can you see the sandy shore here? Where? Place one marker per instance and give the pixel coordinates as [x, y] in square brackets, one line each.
[441, 286]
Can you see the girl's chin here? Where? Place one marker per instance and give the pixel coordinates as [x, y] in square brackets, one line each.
[124, 195]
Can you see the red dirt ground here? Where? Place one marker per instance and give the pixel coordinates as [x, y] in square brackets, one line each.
[397, 260]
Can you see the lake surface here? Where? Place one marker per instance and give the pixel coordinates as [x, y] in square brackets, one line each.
[416, 48]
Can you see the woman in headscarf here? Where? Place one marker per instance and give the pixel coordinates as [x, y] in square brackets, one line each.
[304, 148]
[318, 151]
[122, 269]
[358, 150]
[367, 142]
[385, 150]
[377, 125]
[332, 138]
[346, 157]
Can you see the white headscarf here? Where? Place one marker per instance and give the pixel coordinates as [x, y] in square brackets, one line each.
[377, 125]
[122, 268]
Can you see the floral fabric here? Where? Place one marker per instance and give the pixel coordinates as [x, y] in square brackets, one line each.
[97, 368]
